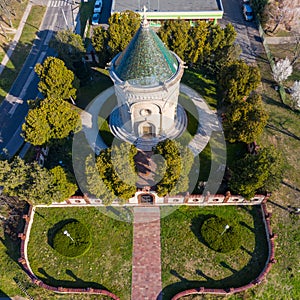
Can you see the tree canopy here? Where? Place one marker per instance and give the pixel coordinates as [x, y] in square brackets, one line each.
[35, 184]
[113, 174]
[51, 119]
[175, 168]
[56, 81]
[238, 80]
[245, 120]
[122, 27]
[69, 47]
[263, 171]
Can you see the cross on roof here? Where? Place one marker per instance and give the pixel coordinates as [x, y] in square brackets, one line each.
[145, 22]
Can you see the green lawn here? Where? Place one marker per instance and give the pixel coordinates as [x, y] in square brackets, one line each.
[22, 50]
[107, 264]
[188, 263]
[101, 81]
[203, 84]
[283, 131]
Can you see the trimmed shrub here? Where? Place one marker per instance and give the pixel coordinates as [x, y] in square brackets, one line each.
[218, 238]
[72, 239]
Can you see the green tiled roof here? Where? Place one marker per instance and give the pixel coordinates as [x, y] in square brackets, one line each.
[146, 61]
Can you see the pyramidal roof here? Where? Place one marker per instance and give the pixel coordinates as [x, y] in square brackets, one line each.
[146, 61]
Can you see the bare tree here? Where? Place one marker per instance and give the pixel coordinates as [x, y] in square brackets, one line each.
[282, 13]
[7, 10]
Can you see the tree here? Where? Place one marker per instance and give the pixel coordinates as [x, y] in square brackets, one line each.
[175, 168]
[198, 35]
[7, 10]
[237, 80]
[56, 81]
[63, 186]
[295, 94]
[282, 70]
[263, 171]
[34, 184]
[110, 42]
[114, 176]
[175, 34]
[52, 119]
[122, 27]
[69, 47]
[95, 183]
[280, 13]
[245, 120]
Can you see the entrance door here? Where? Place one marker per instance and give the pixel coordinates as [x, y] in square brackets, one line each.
[146, 199]
[147, 130]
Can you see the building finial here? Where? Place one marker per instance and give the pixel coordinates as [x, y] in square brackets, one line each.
[145, 22]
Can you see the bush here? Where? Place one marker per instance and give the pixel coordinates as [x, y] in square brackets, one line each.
[74, 245]
[217, 238]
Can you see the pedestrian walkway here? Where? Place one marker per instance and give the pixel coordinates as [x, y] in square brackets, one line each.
[60, 3]
[16, 38]
[146, 262]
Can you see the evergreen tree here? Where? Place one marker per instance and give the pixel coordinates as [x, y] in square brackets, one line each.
[263, 171]
[238, 80]
[245, 120]
[69, 47]
[56, 81]
[52, 119]
[34, 184]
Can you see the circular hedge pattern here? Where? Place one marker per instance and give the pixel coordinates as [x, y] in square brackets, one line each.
[217, 238]
[72, 239]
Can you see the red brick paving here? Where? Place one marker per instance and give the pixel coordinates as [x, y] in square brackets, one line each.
[146, 261]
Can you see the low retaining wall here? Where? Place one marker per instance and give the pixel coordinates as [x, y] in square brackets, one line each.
[23, 260]
[202, 200]
[271, 260]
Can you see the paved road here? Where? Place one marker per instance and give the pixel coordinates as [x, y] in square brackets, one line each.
[247, 32]
[14, 108]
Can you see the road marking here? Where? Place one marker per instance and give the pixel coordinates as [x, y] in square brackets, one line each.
[58, 3]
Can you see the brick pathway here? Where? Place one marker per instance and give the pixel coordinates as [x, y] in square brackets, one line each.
[146, 262]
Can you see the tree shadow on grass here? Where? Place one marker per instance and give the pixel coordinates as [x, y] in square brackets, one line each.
[74, 282]
[239, 278]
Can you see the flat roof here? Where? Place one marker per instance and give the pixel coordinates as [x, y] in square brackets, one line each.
[167, 5]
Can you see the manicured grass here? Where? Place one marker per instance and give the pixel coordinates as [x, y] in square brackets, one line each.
[107, 264]
[101, 81]
[203, 84]
[22, 50]
[188, 263]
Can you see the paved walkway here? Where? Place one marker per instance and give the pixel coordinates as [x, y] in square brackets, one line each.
[146, 261]
[16, 38]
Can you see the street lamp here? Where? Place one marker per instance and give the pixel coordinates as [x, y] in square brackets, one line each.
[68, 235]
[225, 228]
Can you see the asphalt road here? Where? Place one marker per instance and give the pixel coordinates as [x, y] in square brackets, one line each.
[14, 108]
[247, 32]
